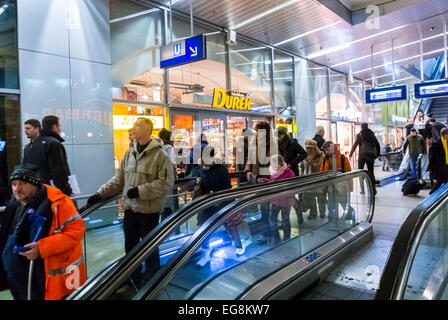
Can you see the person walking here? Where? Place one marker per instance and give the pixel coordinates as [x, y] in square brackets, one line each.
[438, 160]
[416, 145]
[290, 149]
[420, 123]
[435, 131]
[145, 177]
[311, 164]
[32, 131]
[319, 137]
[369, 150]
[48, 152]
[55, 249]
[168, 146]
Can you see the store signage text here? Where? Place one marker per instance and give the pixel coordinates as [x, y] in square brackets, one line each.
[398, 119]
[222, 99]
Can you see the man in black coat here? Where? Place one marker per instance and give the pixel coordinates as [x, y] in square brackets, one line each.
[438, 164]
[48, 152]
[290, 149]
[319, 137]
[369, 150]
[436, 128]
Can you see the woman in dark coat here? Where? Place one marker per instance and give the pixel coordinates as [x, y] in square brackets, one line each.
[438, 165]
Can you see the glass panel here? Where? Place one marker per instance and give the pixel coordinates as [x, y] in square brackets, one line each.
[135, 52]
[10, 148]
[283, 84]
[356, 101]
[311, 87]
[265, 236]
[250, 73]
[430, 265]
[8, 45]
[183, 129]
[338, 96]
[213, 129]
[235, 129]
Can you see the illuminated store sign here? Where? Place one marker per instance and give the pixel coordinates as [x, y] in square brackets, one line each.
[222, 99]
[182, 52]
[431, 89]
[386, 94]
[127, 122]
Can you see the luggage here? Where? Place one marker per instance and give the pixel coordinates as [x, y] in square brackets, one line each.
[412, 186]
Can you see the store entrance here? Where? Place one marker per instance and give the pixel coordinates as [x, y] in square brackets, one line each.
[222, 132]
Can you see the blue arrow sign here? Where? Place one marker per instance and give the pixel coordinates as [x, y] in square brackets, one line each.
[182, 52]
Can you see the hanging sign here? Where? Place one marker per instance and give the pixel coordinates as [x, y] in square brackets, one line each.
[431, 89]
[386, 94]
[182, 52]
[222, 99]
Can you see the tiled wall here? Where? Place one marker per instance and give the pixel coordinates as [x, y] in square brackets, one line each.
[65, 66]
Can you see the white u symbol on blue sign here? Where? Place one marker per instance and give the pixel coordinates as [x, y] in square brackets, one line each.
[177, 49]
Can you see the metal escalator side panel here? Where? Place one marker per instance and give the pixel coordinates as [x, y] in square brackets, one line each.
[401, 257]
[170, 269]
[166, 227]
[313, 270]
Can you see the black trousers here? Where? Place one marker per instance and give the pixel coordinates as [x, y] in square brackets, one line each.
[361, 162]
[136, 226]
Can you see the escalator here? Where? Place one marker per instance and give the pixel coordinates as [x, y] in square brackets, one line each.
[256, 244]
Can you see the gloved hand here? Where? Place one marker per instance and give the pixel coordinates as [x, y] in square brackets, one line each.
[93, 199]
[132, 193]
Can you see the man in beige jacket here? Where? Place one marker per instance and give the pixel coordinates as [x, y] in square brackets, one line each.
[145, 176]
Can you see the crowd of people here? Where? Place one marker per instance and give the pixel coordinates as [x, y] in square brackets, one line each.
[426, 136]
[146, 177]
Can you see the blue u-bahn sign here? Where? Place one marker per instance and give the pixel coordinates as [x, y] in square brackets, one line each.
[182, 52]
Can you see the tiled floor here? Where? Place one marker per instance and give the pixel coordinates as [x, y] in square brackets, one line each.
[358, 277]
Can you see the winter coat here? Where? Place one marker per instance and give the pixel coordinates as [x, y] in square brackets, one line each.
[311, 165]
[326, 163]
[215, 179]
[283, 173]
[366, 135]
[416, 145]
[151, 171]
[292, 152]
[60, 243]
[435, 131]
[320, 140]
[48, 152]
[437, 162]
[259, 167]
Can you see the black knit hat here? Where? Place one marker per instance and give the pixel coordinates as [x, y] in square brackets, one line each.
[26, 172]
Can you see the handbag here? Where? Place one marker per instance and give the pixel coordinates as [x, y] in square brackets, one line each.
[197, 191]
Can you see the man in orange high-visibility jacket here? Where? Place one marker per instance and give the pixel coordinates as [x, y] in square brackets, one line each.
[58, 267]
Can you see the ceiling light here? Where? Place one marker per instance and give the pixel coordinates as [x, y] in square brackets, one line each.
[141, 13]
[261, 15]
[386, 50]
[307, 33]
[348, 44]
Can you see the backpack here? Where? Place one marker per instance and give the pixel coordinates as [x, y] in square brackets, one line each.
[412, 186]
[367, 149]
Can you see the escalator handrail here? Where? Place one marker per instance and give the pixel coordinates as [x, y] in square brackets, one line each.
[398, 266]
[208, 227]
[165, 227]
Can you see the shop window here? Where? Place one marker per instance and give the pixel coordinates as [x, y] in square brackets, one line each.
[9, 142]
[250, 74]
[283, 84]
[8, 45]
[194, 83]
[135, 50]
[124, 117]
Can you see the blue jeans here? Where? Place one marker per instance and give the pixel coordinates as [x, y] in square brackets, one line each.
[413, 164]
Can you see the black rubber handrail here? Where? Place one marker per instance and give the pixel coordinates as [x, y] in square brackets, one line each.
[162, 230]
[183, 254]
[401, 256]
